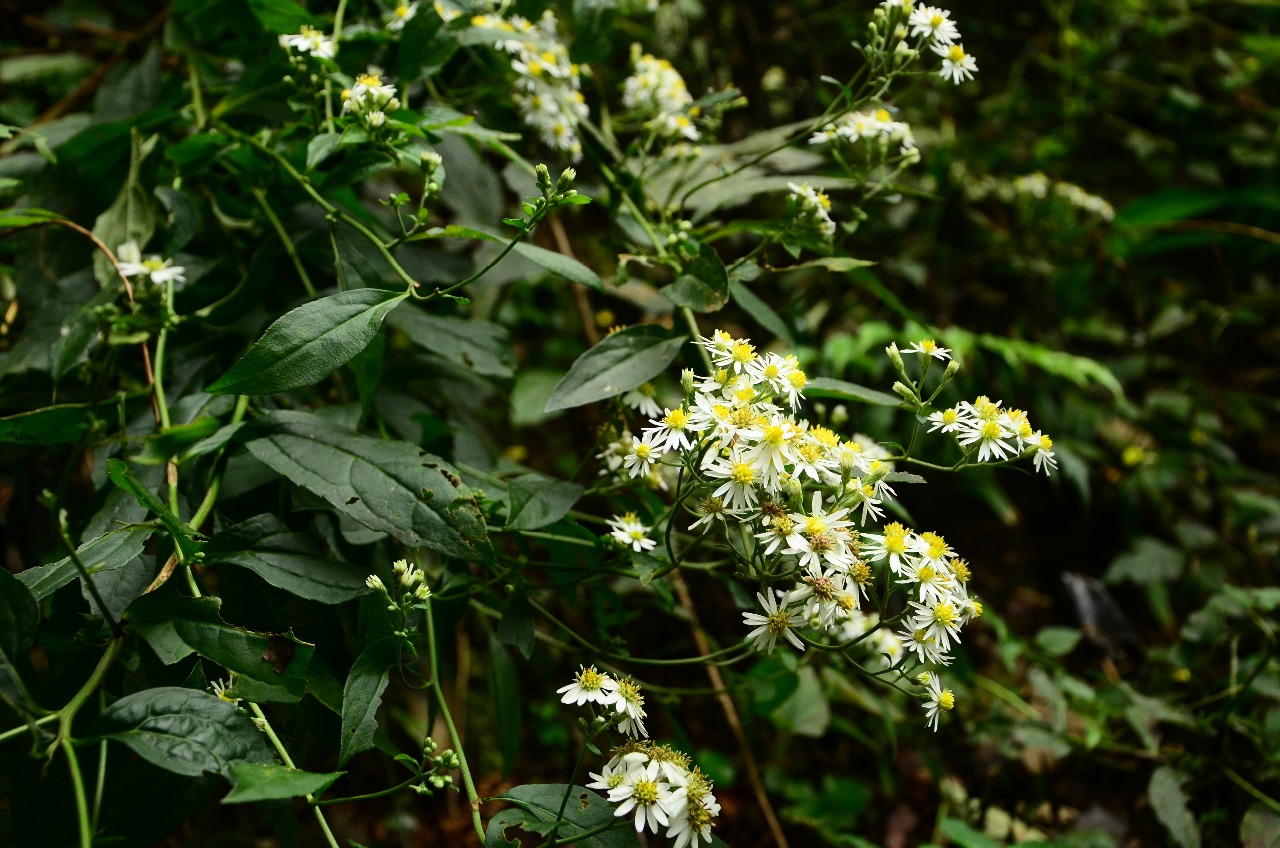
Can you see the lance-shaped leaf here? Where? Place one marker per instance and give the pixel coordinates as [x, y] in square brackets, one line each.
[536, 500]
[391, 486]
[617, 364]
[287, 560]
[52, 425]
[362, 695]
[186, 731]
[111, 551]
[839, 389]
[269, 781]
[309, 343]
[183, 537]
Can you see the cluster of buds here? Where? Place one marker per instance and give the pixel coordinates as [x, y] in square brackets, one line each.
[433, 763]
[369, 99]
[410, 591]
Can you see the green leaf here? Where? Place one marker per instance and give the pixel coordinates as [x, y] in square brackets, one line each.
[536, 501]
[269, 781]
[703, 284]
[162, 447]
[425, 45]
[1147, 562]
[560, 265]
[185, 731]
[53, 425]
[826, 387]
[321, 147]
[516, 628]
[965, 836]
[132, 217]
[1058, 641]
[806, 712]
[480, 346]
[183, 537]
[13, 692]
[1169, 803]
[1260, 827]
[268, 666]
[19, 615]
[504, 694]
[1080, 370]
[109, 552]
[27, 217]
[287, 560]
[183, 218]
[281, 16]
[585, 811]
[758, 308]
[309, 343]
[619, 363]
[362, 695]
[834, 264]
[390, 486]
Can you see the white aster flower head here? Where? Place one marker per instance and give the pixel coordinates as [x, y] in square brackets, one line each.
[628, 702]
[892, 545]
[928, 347]
[156, 269]
[646, 792]
[645, 452]
[610, 777]
[310, 41]
[401, 15]
[370, 94]
[992, 438]
[938, 700]
[588, 686]
[673, 430]
[693, 820]
[1043, 458]
[940, 620]
[628, 530]
[812, 208]
[947, 420]
[957, 65]
[776, 621]
[739, 490]
[220, 689]
[935, 24]
[641, 399]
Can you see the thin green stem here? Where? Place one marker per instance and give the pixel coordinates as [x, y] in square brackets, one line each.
[537, 216]
[77, 785]
[568, 792]
[289, 248]
[18, 731]
[1251, 789]
[381, 793]
[270, 732]
[101, 783]
[472, 796]
[587, 834]
[84, 574]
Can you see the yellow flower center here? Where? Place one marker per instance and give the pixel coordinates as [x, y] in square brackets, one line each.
[946, 700]
[401, 12]
[742, 353]
[1046, 443]
[676, 419]
[774, 435]
[797, 379]
[369, 80]
[991, 431]
[944, 613]
[956, 54]
[153, 265]
[742, 474]
[936, 20]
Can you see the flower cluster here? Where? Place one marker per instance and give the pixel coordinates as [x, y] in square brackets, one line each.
[656, 92]
[623, 697]
[311, 42]
[931, 26]
[997, 433]
[656, 783]
[369, 98]
[877, 126]
[663, 789]
[155, 269]
[811, 209]
[411, 585]
[1036, 185]
[548, 85]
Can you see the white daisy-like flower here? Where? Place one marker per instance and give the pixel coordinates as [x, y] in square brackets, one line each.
[937, 700]
[928, 347]
[692, 822]
[934, 23]
[740, 480]
[641, 400]
[310, 40]
[630, 532]
[957, 65]
[644, 791]
[588, 685]
[924, 646]
[155, 269]
[401, 15]
[946, 420]
[939, 619]
[644, 453]
[220, 689]
[673, 430]
[891, 545]
[777, 621]
[992, 439]
[627, 701]
[1043, 458]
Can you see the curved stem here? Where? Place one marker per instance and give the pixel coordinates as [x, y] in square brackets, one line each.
[82, 804]
[289, 248]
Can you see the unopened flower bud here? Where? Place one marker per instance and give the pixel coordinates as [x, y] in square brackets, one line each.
[431, 160]
[953, 368]
[374, 582]
[906, 392]
[839, 415]
[895, 356]
[543, 177]
[422, 593]
[567, 176]
[686, 383]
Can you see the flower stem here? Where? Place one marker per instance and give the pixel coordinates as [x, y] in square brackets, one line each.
[82, 804]
[265, 724]
[285, 240]
[472, 795]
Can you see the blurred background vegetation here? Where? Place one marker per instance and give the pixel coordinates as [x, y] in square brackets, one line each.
[1124, 689]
